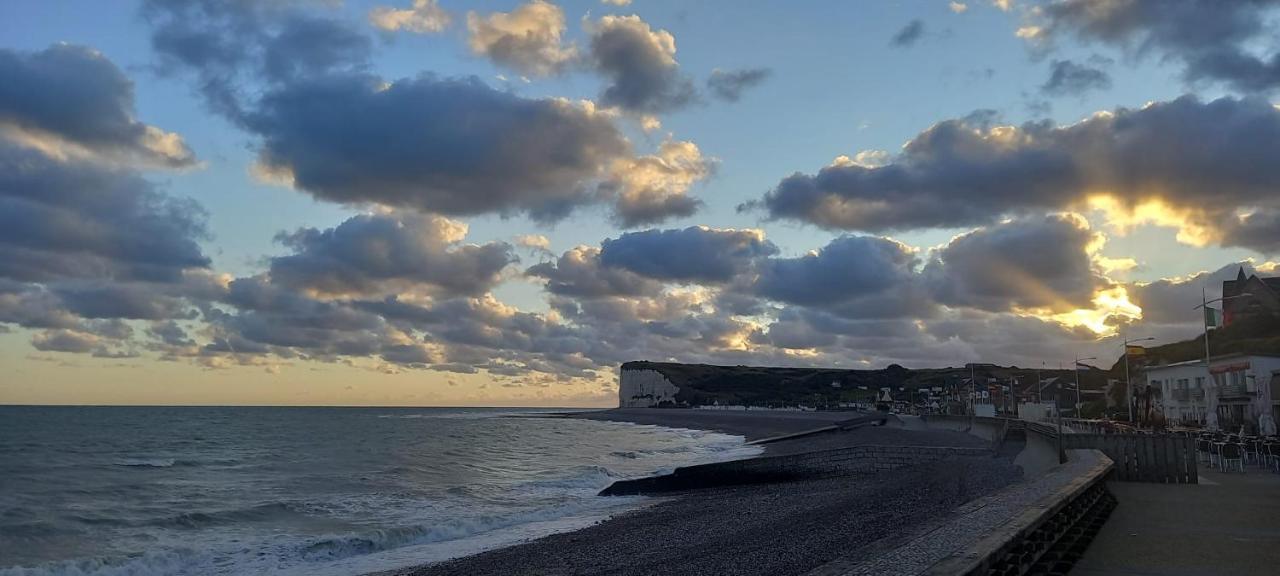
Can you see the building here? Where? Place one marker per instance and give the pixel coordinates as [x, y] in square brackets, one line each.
[1263, 299]
[1182, 392]
[1242, 392]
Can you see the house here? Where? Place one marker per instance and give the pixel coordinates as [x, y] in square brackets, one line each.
[1263, 297]
[1241, 391]
[1182, 391]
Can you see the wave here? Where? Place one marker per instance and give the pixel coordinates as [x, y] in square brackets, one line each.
[147, 462]
[258, 513]
[359, 544]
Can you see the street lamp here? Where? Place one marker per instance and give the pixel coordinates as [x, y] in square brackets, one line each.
[1077, 371]
[1204, 304]
[1128, 384]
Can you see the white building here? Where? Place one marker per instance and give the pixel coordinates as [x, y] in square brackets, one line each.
[1240, 393]
[1182, 391]
[1243, 387]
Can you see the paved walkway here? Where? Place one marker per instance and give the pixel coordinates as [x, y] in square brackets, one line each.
[1227, 525]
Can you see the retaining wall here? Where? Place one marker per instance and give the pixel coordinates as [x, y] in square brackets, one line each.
[819, 464]
[1040, 526]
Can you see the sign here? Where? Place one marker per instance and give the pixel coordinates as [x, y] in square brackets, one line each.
[1135, 350]
[1238, 366]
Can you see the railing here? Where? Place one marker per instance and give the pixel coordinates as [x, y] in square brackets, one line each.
[1234, 390]
[1156, 458]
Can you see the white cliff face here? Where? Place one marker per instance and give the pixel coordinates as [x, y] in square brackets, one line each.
[644, 388]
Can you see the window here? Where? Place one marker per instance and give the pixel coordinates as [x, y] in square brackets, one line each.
[1199, 382]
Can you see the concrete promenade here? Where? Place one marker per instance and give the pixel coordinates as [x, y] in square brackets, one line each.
[1227, 525]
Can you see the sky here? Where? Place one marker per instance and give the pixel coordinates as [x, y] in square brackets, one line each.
[436, 202]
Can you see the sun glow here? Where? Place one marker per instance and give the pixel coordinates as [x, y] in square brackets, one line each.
[1110, 306]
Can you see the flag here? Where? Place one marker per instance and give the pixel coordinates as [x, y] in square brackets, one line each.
[1212, 317]
[1135, 350]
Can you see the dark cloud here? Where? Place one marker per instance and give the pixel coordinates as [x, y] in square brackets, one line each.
[447, 146]
[1067, 78]
[848, 268]
[1259, 230]
[908, 35]
[224, 44]
[392, 252]
[640, 65]
[1034, 263]
[306, 46]
[65, 341]
[729, 85]
[1215, 40]
[694, 254]
[1201, 161]
[119, 300]
[73, 101]
[63, 220]
[578, 273]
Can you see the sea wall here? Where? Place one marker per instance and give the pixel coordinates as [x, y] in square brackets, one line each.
[819, 464]
[644, 388]
[1039, 526]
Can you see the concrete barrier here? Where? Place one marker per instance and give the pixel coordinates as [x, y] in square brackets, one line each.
[818, 464]
[1040, 526]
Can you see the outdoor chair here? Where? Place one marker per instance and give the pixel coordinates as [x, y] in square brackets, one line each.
[1202, 450]
[1215, 454]
[1253, 451]
[1232, 456]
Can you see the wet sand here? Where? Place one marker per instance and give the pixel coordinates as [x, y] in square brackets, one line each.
[784, 528]
[752, 424]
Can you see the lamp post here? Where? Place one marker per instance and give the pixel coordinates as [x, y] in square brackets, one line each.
[1077, 371]
[1204, 305]
[1128, 383]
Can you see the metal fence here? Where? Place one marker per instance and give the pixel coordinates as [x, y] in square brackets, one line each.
[1143, 457]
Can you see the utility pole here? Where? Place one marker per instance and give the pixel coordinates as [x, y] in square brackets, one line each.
[1206, 314]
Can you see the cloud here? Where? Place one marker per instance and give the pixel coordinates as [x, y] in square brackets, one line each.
[1216, 41]
[374, 254]
[1185, 163]
[228, 44]
[847, 268]
[70, 101]
[728, 85]
[578, 273]
[1034, 263]
[65, 341]
[527, 39]
[694, 254]
[1258, 230]
[908, 35]
[78, 220]
[453, 147]
[1069, 78]
[424, 17]
[957, 7]
[616, 2]
[306, 46]
[640, 64]
[654, 188]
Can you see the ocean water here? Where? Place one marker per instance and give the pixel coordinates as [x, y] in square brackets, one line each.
[141, 491]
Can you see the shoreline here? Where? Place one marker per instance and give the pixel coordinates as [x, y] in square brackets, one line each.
[786, 528]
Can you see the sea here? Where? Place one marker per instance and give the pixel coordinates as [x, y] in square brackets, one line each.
[238, 490]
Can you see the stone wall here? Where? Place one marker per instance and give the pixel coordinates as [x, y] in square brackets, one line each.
[819, 464]
[644, 388]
